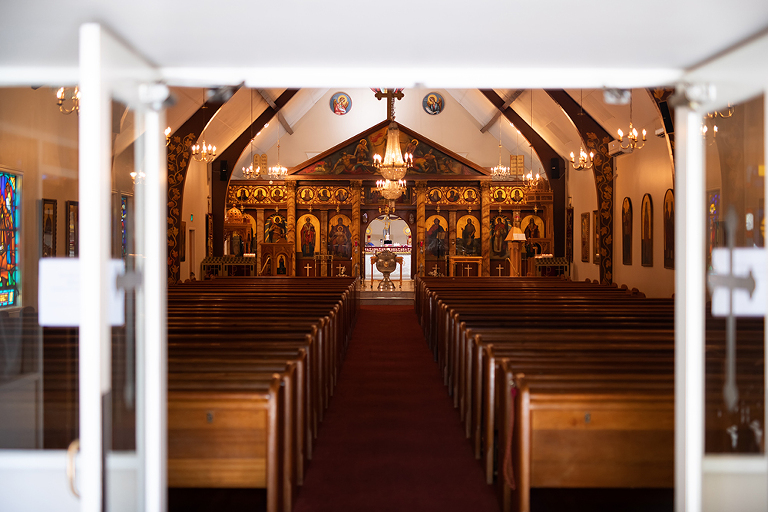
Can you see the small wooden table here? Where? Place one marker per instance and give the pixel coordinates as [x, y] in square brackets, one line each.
[464, 259]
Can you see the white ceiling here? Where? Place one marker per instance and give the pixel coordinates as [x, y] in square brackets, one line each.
[306, 43]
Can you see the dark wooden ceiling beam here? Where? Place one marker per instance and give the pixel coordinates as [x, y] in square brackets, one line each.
[272, 104]
[553, 163]
[229, 157]
[501, 109]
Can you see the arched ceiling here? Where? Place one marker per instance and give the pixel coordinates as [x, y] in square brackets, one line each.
[549, 120]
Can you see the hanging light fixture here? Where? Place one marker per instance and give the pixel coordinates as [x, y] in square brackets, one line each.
[202, 152]
[632, 142]
[395, 164]
[167, 135]
[249, 172]
[500, 172]
[277, 172]
[585, 160]
[530, 180]
[74, 96]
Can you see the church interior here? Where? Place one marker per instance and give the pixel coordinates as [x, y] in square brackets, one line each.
[457, 297]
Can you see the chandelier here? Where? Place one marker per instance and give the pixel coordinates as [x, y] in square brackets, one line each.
[394, 165]
[74, 97]
[277, 172]
[203, 153]
[585, 160]
[530, 180]
[249, 172]
[632, 142]
[500, 172]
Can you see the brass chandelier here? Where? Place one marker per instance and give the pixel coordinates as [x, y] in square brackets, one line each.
[394, 165]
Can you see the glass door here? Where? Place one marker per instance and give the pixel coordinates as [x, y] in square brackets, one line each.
[122, 277]
[721, 297]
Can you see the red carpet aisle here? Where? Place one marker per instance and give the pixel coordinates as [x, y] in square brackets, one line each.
[391, 439]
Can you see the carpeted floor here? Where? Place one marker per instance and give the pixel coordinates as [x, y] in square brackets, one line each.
[391, 439]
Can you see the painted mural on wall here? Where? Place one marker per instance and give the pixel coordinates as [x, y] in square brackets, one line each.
[308, 241]
[356, 158]
[433, 103]
[274, 229]
[499, 230]
[468, 236]
[437, 236]
[341, 103]
[340, 236]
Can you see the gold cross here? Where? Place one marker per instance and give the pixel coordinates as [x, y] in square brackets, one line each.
[307, 268]
[467, 268]
[500, 268]
[342, 270]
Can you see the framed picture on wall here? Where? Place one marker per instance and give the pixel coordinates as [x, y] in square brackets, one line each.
[669, 229]
[49, 228]
[73, 249]
[596, 247]
[626, 231]
[646, 232]
[585, 237]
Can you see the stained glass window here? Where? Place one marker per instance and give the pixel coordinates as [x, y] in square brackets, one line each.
[9, 239]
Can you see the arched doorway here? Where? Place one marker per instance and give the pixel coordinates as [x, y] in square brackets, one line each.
[378, 237]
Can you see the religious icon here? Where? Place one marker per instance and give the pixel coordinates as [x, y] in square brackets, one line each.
[307, 194]
[281, 268]
[308, 228]
[342, 195]
[361, 153]
[499, 195]
[274, 229]
[626, 231]
[49, 228]
[585, 237]
[72, 250]
[433, 103]
[242, 194]
[260, 194]
[470, 195]
[435, 195]
[341, 103]
[516, 195]
[437, 236]
[323, 195]
[277, 194]
[596, 247]
[340, 236]
[646, 232]
[468, 243]
[669, 229]
[453, 195]
[533, 226]
[501, 227]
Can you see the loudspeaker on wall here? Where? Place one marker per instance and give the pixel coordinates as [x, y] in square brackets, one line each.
[555, 168]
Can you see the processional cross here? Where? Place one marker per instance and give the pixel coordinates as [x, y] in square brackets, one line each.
[731, 283]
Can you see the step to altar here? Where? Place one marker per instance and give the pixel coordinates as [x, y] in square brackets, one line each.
[396, 297]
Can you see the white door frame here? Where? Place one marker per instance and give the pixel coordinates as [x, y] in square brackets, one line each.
[739, 481]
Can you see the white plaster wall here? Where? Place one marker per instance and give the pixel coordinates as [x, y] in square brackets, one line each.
[41, 142]
[581, 190]
[196, 197]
